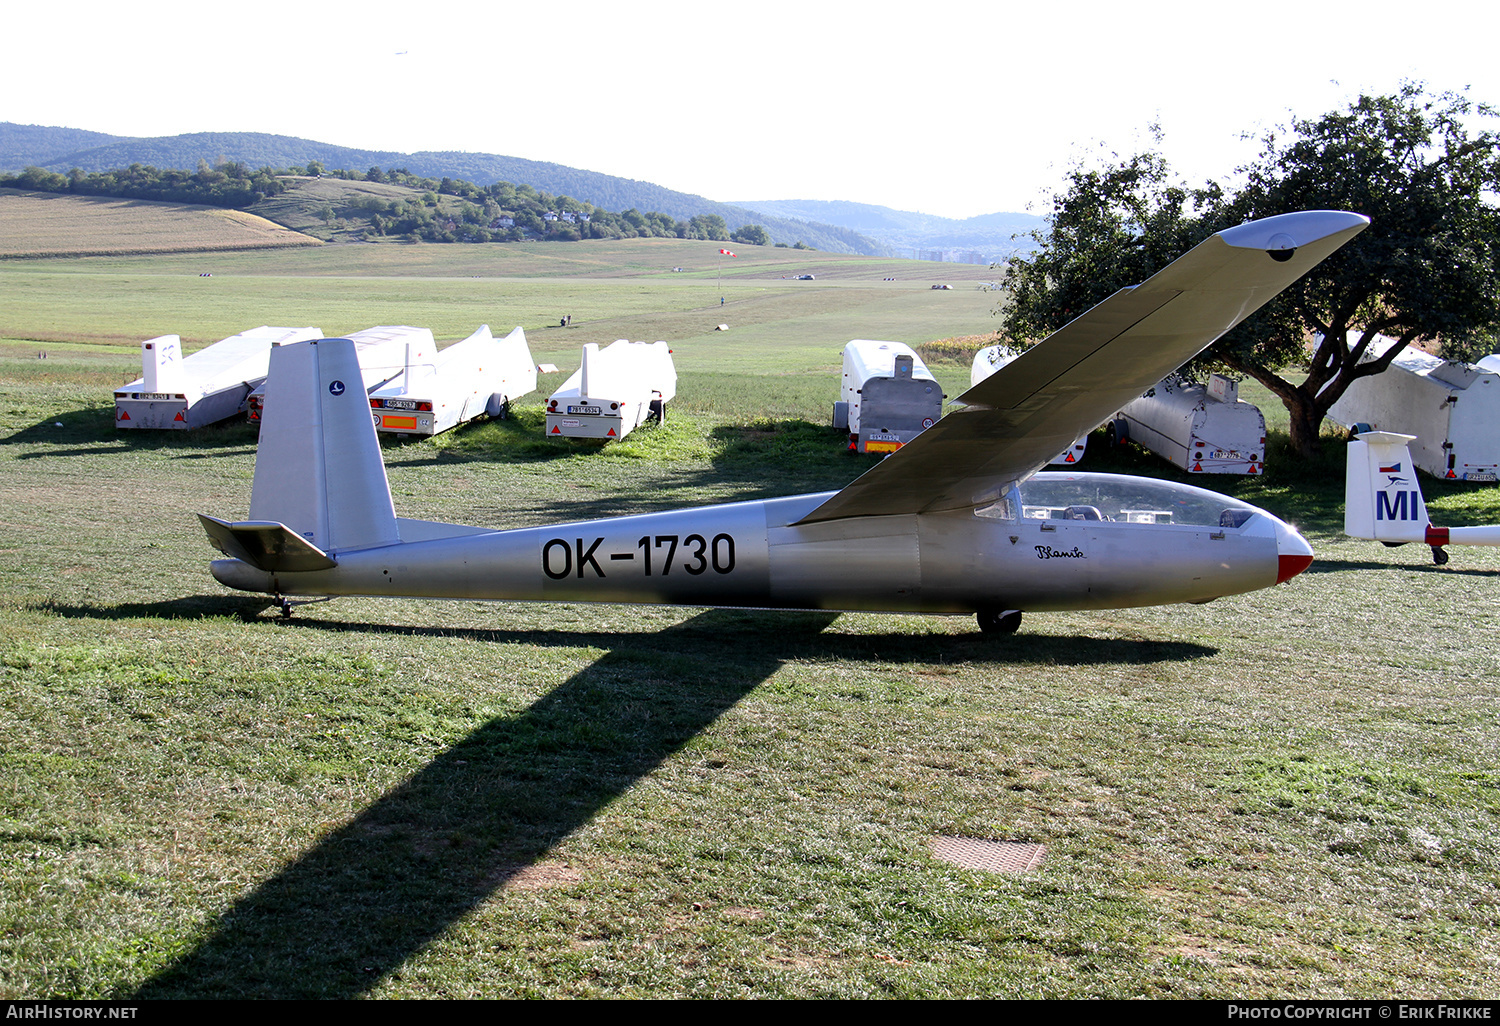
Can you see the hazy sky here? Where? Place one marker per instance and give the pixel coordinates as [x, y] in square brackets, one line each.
[959, 109]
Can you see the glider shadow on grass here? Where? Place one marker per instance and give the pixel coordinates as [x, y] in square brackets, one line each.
[376, 892]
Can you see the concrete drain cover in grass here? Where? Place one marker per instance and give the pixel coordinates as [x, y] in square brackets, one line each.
[990, 856]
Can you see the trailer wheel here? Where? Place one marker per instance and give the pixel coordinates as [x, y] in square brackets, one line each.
[497, 406]
[659, 410]
[1117, 433]
[999, 621]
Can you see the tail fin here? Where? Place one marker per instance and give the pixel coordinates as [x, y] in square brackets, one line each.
[1382, 499]
[520, 365]
[161, 365]
[590, 355]
[318, 468]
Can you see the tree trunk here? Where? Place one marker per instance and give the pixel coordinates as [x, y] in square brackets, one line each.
[1334, 366]
[1306, 422]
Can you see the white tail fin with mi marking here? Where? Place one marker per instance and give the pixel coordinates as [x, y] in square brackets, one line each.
[1382, 499]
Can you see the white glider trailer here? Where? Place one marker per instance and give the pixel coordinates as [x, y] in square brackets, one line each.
[383, 353]
[613, 391]
[1453, 409]
[477, 377]
[990, 359]
[1204, 429]
[213, 384]
[888, 397]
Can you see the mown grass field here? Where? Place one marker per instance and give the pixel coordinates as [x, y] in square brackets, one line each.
[1287, 794]
[612, 290]
[46, 224]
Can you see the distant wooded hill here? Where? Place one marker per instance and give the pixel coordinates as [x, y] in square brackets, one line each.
[63, 149]
[988, 238]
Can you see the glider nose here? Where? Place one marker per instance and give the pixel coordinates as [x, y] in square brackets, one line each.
[1293, 553]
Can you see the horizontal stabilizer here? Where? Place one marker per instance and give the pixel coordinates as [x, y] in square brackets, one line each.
[265, 545]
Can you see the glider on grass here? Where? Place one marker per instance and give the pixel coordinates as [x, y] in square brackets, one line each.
[955, 521]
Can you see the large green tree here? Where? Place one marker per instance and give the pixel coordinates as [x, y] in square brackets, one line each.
[707, 226]
[1427, 270]
[751, 235]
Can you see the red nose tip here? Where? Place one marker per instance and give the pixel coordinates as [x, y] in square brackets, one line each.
[1290, 566]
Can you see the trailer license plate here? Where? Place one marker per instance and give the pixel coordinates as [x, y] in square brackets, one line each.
[156, 396]
[585, 409]
[1480, 475]
[1226, 454]
[400, 404]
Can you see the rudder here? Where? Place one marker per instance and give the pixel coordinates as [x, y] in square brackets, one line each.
[1382, 499]
[318, 468]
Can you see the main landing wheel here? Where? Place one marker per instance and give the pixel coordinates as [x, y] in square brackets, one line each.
[999, 621]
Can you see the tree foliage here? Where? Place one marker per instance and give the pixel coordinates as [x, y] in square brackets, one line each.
[1113, 227]
[1427, 270]
[751, 235]
[228, 185]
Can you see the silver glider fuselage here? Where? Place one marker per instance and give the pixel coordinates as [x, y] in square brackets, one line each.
[756, 554]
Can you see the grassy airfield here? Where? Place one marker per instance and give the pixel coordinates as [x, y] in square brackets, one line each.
[1292, 793]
